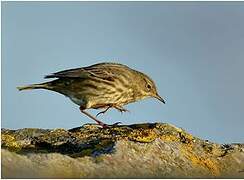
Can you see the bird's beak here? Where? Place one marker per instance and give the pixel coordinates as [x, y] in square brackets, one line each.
[159, 98]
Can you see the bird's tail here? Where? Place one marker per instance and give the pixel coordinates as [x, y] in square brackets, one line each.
[33, 86]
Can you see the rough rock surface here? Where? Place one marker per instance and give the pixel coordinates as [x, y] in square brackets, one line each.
[127, 151]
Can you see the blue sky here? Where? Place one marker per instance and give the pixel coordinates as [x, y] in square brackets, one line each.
[192, 50]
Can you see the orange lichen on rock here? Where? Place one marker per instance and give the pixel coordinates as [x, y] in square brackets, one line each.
[149, 150]
[204, 161]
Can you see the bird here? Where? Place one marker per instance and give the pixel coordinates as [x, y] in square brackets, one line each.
[103, 85]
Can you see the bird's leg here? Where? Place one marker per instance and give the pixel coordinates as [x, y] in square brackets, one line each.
[121, 109]
[102, 112]
[90, 116]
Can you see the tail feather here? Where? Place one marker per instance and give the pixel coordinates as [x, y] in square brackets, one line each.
[33, 86]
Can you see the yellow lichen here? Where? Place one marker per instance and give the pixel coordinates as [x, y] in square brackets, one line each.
[10, 142]
[203, 161]
[187, 137]
[169, 138]
[144, 136]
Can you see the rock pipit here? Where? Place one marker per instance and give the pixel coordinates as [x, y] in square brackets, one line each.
[101, 86]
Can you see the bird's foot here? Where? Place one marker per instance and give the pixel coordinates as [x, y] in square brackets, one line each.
[121, 109]
[102, 112]
[116, 124]
[105, 126]
[97, 121]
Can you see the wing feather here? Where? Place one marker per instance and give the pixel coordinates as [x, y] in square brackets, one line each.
[105, 71]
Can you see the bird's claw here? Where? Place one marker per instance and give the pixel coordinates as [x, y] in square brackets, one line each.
[122, 109]
[117, 123]
[102, 112]
[105, 126]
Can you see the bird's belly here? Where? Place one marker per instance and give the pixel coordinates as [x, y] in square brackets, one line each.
[78, 101]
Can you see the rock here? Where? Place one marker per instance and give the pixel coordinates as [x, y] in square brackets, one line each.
[126, 151]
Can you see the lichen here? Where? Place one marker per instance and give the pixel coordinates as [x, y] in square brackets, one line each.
[9, 142]
[202, 160]
[144, 136]
[149, 150]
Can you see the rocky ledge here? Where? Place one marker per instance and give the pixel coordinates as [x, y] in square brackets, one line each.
[126, 151]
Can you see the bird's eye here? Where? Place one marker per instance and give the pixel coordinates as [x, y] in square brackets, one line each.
[149, 86]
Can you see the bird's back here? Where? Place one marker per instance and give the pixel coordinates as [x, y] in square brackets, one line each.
[101, 70]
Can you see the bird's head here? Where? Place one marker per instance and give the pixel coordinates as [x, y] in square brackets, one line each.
[148, 88]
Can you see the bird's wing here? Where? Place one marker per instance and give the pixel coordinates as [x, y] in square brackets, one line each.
[103, 70]
[70, 73]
